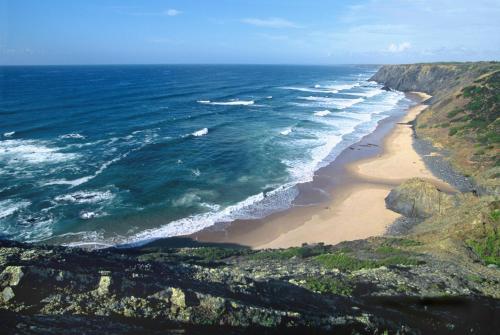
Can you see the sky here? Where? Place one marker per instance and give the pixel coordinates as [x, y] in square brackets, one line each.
[247, 31]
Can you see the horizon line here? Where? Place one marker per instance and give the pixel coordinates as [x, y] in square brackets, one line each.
[243, 64]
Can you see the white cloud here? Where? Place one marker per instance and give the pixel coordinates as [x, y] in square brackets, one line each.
[173, 12]
[273, 22]
[394, 47]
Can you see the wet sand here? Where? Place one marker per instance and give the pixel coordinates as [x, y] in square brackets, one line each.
[348, 194]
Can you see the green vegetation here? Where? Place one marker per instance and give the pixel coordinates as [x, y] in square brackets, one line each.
[213, 253]
[301, 252]
[482, 109]
[342, 261]
[453, 131]
[405, 242]
[488, 247]
[495, 215]
[328, 285]
[454, 113]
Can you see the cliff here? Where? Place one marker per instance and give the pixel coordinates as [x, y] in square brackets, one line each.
[434, 78]
[464, 114]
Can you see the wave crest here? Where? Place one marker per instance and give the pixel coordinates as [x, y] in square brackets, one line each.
[200, 132]
[227, 103]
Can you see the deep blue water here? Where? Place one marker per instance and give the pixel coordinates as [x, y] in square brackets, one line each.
[125, 153]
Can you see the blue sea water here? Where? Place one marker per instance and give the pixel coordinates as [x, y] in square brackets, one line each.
[113, 154]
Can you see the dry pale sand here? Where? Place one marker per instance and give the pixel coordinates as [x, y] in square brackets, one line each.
[360, 212]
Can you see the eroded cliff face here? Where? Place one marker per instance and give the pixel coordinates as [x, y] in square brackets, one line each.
[433, 78]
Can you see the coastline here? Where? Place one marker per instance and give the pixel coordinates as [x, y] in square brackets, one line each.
[356, 183]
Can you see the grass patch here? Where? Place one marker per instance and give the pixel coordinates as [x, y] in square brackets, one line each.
[453, 131]
[444, 125]
[406, 242]
[344, 262]
[495, 215]
[301, 252]
[387, 249]
[213, 253]
[341, 261]
[454, 113]
[488, 248]
[328, 285]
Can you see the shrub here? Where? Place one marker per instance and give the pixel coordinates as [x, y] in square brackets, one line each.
[454, 113]
[302, 252]
[488, 248]
[214, 253]
[453, 131]
[328, 285]
[341, 261]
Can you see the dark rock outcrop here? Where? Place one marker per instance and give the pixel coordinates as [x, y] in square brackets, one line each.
[354, 287]
[417, 198]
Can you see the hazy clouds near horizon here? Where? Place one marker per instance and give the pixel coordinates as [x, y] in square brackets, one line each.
[260, 31]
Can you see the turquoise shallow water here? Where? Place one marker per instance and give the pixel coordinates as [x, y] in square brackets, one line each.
[114, 154]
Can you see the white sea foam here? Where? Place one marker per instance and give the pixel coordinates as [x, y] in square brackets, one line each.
[302, 170]
[286, 131]
[9, 207]
[79, 181]
[335, 88]
[322, 113]
[32, 152]
[200, 132]
[9, 134]
[255, 206]
[72, 136]
[310, 89]
[82, 180]
[337, 103]
[85, 197]
[87, 215]
[342, 87]
[234, 102]
[366, 93]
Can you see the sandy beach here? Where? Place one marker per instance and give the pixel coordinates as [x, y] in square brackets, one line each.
[358, 182]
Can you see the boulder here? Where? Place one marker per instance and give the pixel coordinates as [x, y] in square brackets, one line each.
[104, 285]
[14, 273]
[417, 198]
[7, 294]
[178, 297]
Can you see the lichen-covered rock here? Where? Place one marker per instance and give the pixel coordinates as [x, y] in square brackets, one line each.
[178, 297]
[7, 294]
[417, 198]
[12, 275]
[104, 284]
[255, 291]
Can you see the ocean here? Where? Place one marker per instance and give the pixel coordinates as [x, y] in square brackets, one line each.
[107, 155]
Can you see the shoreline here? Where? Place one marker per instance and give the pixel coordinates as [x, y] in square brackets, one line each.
[356, 182]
